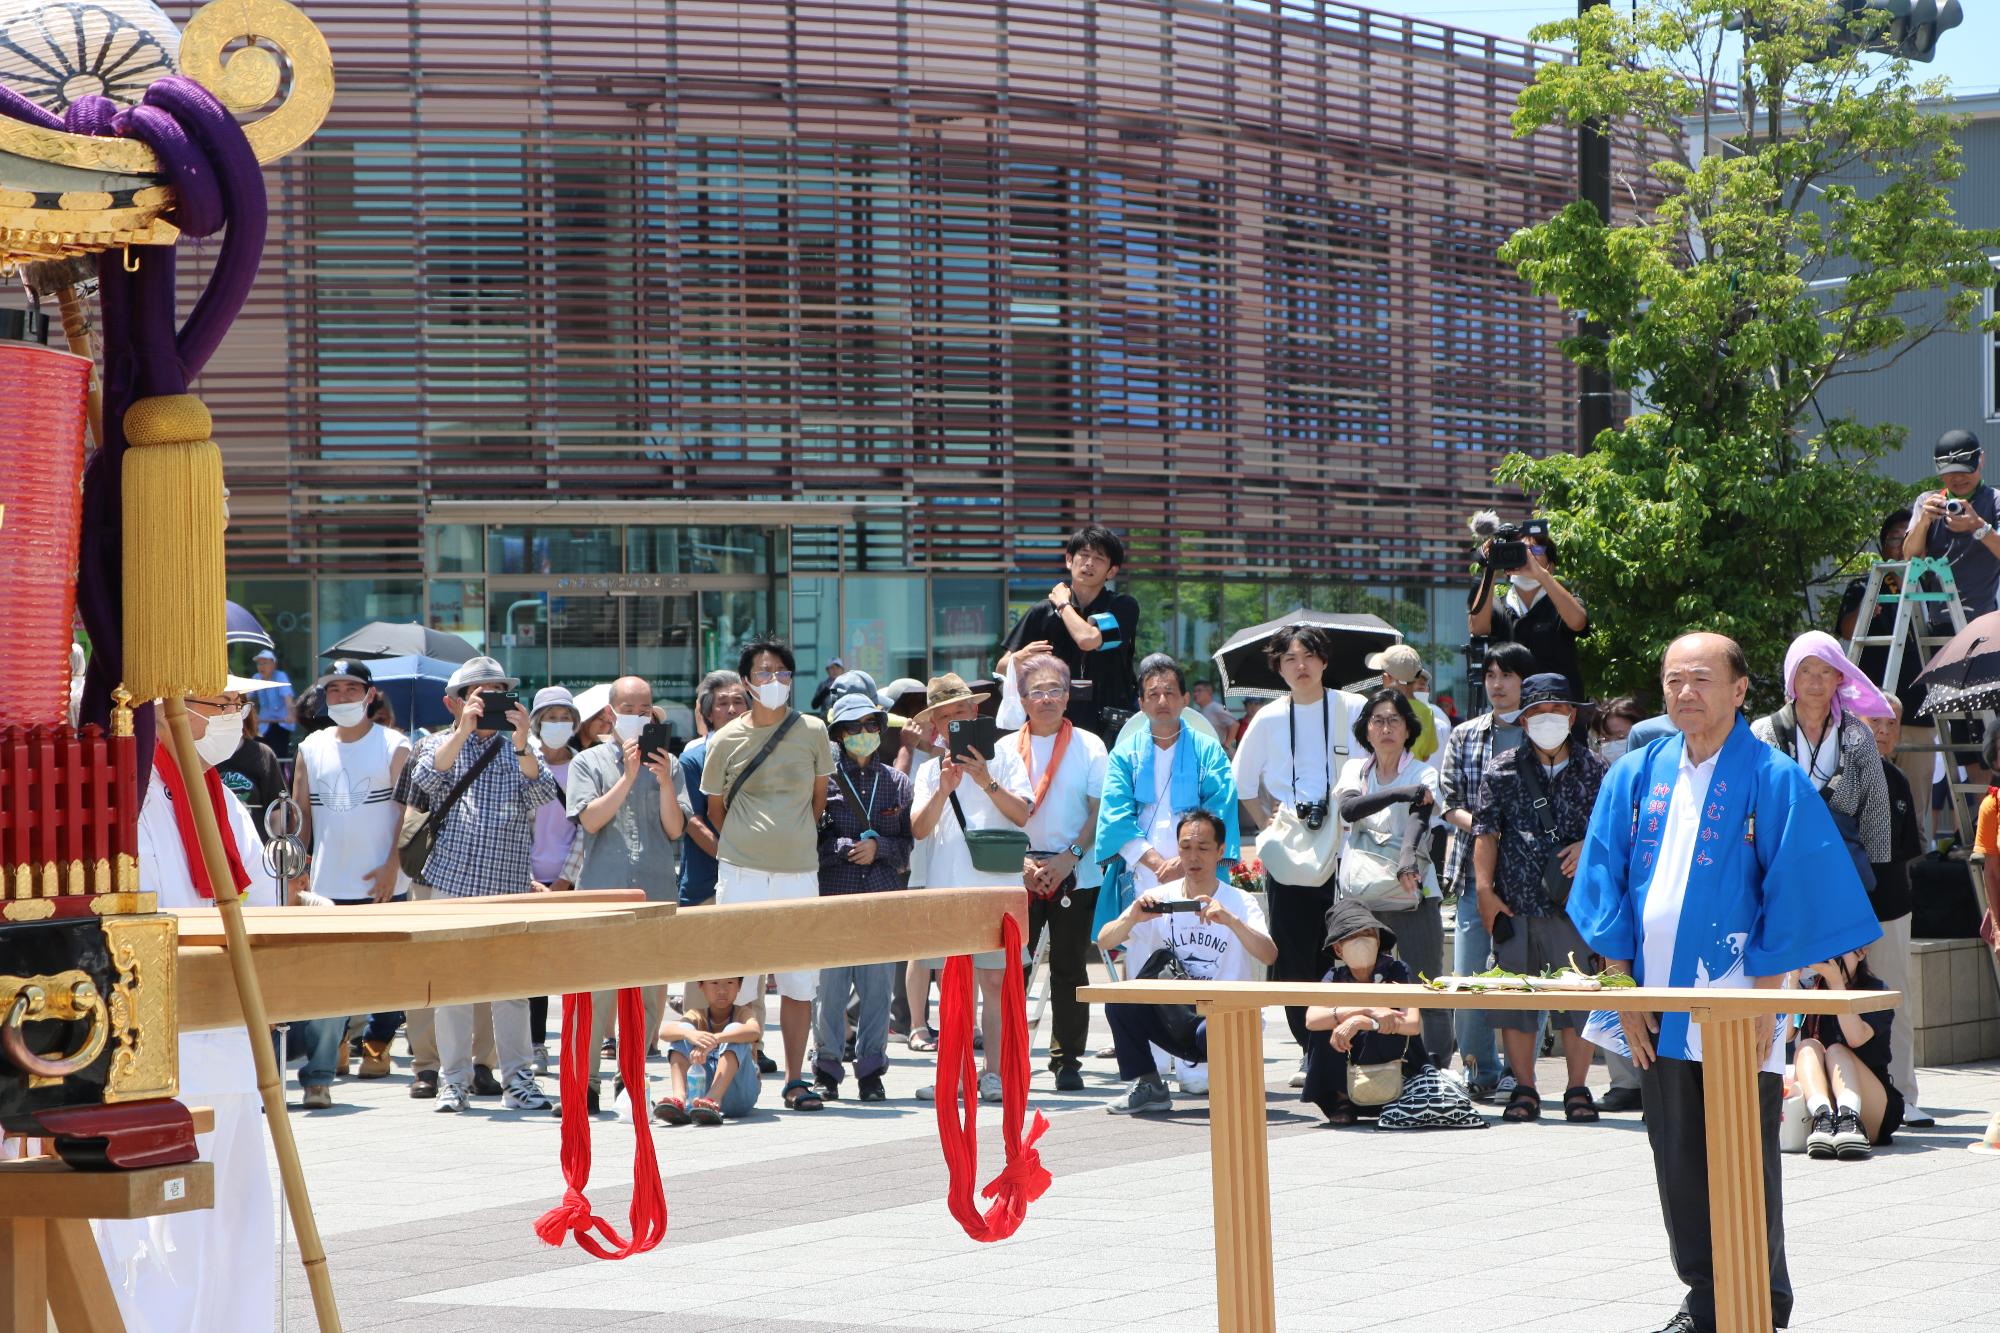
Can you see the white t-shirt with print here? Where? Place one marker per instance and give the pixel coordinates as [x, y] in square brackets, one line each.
[1208, 952]
[1063, 817]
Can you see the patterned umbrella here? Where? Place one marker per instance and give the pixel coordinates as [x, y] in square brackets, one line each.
[1964, 676]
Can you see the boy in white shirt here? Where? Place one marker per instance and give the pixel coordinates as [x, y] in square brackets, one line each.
[1212, 929]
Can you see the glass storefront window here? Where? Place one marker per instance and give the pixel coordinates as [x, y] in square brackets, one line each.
[882, 627]
[458, 606]
[698, 550]
[662, 646]
[457, 548]
[815, 632]
[284, 608]
[1198, 628]
[517, 636]
[583, 638]
[731, 619]
[966, 626]
[523, 550]
[345, 605]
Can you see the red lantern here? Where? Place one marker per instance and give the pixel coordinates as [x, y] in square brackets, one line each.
[41, 511]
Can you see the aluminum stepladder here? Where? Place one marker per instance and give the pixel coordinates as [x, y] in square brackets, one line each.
[1910, 629]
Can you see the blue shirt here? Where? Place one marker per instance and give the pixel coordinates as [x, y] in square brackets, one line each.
[272, 701]
[698, 868]
[1652, 729]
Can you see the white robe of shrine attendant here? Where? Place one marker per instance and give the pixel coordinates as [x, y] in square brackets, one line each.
[211, 1269]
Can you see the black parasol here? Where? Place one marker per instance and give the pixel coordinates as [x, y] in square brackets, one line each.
[1964, 676]
[384, 638]
[1245, 673]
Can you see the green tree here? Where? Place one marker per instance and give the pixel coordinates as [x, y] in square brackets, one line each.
[1778, 237]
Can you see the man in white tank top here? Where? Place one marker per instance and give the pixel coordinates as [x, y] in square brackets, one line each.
[344, 780]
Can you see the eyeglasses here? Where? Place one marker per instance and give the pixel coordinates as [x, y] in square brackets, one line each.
[1385, 720]
[1046, 696]
[210, 709]
[766, 677]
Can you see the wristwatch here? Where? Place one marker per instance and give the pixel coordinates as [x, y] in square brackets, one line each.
[992, 784]
[1074, 851]
[1979, 533]
[520, 750]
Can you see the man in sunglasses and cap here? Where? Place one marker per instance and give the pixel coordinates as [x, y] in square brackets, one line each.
[1957, 522]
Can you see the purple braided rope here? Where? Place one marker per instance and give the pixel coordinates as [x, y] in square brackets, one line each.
[217, 182]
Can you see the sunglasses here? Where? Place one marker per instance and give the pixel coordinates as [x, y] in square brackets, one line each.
[869, 724]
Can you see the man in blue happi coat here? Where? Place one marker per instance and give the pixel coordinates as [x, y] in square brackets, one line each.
[1710, 861]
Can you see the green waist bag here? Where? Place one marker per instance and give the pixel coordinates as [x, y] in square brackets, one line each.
[995, 851]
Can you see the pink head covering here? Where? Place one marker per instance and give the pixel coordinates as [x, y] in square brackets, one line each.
[1855, 690]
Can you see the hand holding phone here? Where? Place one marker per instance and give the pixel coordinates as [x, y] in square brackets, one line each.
[494, 705]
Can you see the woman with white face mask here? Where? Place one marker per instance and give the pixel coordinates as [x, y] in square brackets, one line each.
[1612, 725]
[1363, 950]
[552, 728]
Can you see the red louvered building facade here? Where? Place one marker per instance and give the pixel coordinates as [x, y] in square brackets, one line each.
[605, 331]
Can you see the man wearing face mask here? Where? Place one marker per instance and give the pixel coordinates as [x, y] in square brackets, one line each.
[1533, 809]
[630, 810]
[344, 779]
[1539, 614]
[184, 1271]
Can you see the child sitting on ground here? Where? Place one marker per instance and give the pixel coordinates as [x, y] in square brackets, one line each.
[719, 1036]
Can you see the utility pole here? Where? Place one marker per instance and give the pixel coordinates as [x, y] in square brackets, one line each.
[1593, 171]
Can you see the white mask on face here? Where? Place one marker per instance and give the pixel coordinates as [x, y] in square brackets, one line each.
[1526, 583]
[1547, 730]
[629, 725]
[1612, 751]
[350, 714]
[1359, 955]
[774, 694]
[1508, 718]
[224, 734]
[557, 735]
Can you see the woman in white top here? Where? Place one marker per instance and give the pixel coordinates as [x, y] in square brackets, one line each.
[1383, 791]
[1289, 755]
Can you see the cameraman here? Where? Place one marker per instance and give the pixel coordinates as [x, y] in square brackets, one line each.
[1536, 611]
[1964, 537]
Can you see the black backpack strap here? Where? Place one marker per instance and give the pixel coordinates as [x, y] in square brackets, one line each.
[1538, 796]
[757, 761]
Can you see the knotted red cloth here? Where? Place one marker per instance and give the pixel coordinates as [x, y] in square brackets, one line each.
[177, 796]
[573, 1217]
[1024, 1179]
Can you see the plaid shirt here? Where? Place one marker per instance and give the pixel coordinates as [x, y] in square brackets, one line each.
[889, 794]
[1464, 766]
[484, 844]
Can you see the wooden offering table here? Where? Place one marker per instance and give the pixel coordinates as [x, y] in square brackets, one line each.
[1239, 1166]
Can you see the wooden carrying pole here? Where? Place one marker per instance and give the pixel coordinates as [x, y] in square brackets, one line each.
[270, 1082]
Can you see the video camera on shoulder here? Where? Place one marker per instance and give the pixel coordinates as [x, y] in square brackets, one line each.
[1509, 550]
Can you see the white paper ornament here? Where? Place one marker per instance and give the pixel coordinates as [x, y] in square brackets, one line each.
[54, 52]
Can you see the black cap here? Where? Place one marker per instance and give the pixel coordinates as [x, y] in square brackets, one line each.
[1956, 451]
[346, 668]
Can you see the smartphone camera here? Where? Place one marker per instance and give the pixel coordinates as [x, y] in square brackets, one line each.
[494, 706]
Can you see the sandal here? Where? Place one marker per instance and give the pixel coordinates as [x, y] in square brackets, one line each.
[1523, 1106]
[671, 1111]
[807, 1099]
[1343, 1115]
[923, 1040]
[706, 1111]
[1578, 1108]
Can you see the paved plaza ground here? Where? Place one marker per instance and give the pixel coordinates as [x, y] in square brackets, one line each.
[835, 1222]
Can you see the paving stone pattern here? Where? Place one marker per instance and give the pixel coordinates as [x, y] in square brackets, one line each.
[835, 1222]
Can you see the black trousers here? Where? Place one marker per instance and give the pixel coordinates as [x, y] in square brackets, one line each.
[1677, 1128]
[1069, 963]
[1298, 928]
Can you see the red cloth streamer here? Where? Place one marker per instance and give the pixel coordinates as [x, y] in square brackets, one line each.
[1024, 1179]
[573, 1217]
[177, 797]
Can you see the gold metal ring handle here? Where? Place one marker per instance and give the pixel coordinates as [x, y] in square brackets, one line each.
[65, 998]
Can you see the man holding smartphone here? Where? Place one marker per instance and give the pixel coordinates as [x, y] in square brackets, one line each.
[1199, 927]
[483, 782]
[631, 810]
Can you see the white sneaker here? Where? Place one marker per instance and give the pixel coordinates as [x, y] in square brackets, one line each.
[1504, 1089]
[452, 1097]
[524, 1094]
[1299, 1077]
[927, 1093]
[1191, 1078]
[1850, 1141]
[989, 1088]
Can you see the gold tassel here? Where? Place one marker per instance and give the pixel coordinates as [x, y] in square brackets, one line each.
[173, 550]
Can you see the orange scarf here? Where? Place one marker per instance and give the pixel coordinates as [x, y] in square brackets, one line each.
[1055, 762]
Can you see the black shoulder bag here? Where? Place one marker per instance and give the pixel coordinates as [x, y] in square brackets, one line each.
[418, 842]
[1554, 882]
